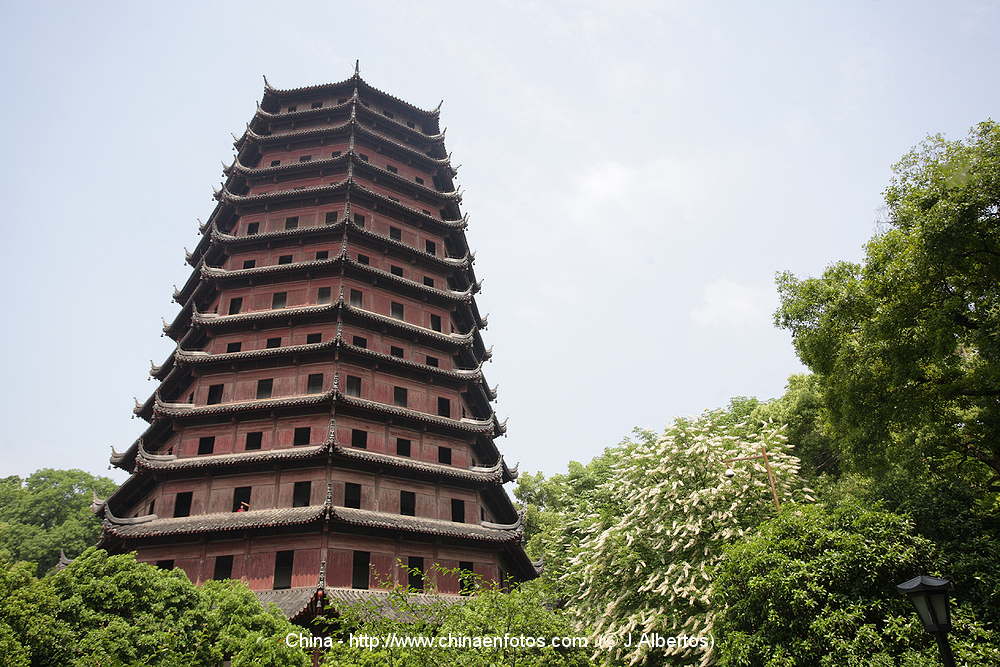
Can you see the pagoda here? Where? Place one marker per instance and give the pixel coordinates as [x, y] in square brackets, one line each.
[323, 427]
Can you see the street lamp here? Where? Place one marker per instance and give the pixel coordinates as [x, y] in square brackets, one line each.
[929, 596]
[730, 473]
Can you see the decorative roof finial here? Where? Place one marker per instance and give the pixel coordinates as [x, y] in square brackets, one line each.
[267, 85]
[438, 107]
[357, 67]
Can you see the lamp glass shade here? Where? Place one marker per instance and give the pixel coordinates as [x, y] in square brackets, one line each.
[923, 607]
[940, 608]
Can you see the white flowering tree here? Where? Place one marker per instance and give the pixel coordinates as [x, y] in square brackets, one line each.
[642, 564]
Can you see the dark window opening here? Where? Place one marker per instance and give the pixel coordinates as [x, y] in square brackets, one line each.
[152, 506]
[363, 259]
[391, 169]
[235, 305]
[444, 407]
[305, 158]
[396, 270]
[395, 233]
[322, 254]
[182, 503]
[253, 228]
[353, 387]
[359, 438]
[457, 510]
[335, 154]
[352, 495]
[273, 342]
[215, 394]
[396, 310]
[254, 439]
[234, 347]
[265, 387]
[359, 220]
[388, 114]
[418, 180]
[314, 338]
[285, 259]
[415, 576]
[223, 568]
[410, 124]
[206, 445]
[430, 247]
[241, 498]
[275, 163]
[358, 341]
[432, 361]
[357, 299]
[396, 351]
[399, 396]
[408, 503]
[316, 105]
[363, 157]
[302, 435]
[331, 217]
[360, 570]
[279, 299]
[402, 447]
[292, 108]
[428, 281]
[292, 222]
[324, 295]
[436, 322]
[301, 494]
[444, 455]
[249, 263]
[283, 561]
[165, 564]
[314, 383]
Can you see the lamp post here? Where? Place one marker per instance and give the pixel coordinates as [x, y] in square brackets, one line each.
[929, 596]
[767, 465]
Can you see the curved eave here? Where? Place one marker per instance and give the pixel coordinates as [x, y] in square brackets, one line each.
[218, 274]
[174, 463]
[489, 426]
[319, 112]
[354, 81]
[251, 137]
[181, 411]
[219, 522]
[294, 235]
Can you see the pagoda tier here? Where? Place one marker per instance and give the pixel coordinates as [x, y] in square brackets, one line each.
[324, 421]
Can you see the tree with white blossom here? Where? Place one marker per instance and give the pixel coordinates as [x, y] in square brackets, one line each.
[643, 562]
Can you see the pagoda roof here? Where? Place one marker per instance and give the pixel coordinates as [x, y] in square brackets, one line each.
[296, 602]
[220, 274]
[295, 235]
[153, 526]
[351, 83]
[212, 320]
[348, 184]
[489, 426]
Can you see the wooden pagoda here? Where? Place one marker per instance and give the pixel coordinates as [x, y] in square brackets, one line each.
[323, 426]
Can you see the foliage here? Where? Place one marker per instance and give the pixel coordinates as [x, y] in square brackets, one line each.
[49, 511]
[641, 547]
[490, 612]
[113, 610]
[907, 344]
[817, 587]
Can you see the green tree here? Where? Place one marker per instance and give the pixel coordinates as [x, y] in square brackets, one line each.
[907, 344]
[817, 587]
[113, 610]
[644, 565]
[491, 612]
[47, 511]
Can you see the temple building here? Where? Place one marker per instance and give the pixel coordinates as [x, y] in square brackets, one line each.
[324, 426]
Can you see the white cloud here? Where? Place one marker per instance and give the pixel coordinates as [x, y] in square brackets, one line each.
[731, 304]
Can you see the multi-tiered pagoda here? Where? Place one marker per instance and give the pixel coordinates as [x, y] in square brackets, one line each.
[323, 425]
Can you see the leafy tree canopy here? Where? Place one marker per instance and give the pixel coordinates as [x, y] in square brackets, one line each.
[48, 511]
[816, 586]
[907, 344]
[113, 610]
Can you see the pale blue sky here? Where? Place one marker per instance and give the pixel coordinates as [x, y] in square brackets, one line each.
[635, 174]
